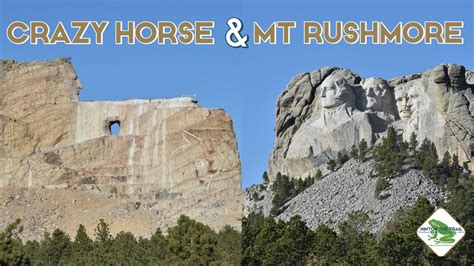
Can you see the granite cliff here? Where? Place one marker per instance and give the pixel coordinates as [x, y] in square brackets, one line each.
[328, 110]
[61, 165]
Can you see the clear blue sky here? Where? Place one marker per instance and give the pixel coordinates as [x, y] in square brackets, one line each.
[245, 82]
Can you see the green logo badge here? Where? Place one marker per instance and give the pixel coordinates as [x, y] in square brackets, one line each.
[441, 232]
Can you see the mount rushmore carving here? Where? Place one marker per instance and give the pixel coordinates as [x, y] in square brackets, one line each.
[327, 111]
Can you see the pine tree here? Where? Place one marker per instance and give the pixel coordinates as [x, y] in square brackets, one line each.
[466, 168]
[55, 249]
[332, 165]
[392, 138]
[123, 249]
[404, 147]
[429, 165]
[319, 174]
[229, 242]
[265, 249]
[82, 246]
[293, 245]
[455, 161]
[387, 157]
[11, 248]
[362, 150]
[191, 243]
[426, 150]
[102, 232]
[31, 250]
[283, 189]
[251, 228]
[265, 178]
[456, 170]
[428, 157]
[446, 161]
[356, 243]
[391, 249]
[340, 159]
[326, 246]
[461, 207]
[380, 185]
[102, 244]
[354, 153]
[158, 247]
[413, 143]
[399, 240]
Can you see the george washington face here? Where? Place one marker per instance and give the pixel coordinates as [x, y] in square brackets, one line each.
[335, 91]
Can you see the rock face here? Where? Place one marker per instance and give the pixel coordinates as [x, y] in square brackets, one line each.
[258, 199]
[170, 157]
[351, 188]
[327, 111]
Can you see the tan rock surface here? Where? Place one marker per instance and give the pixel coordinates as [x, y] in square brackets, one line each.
[60, 165]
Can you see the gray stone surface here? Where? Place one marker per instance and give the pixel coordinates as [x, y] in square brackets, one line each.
[326, 111]
[470, 77]
[352, 188]
[312, 125]
[258, 198]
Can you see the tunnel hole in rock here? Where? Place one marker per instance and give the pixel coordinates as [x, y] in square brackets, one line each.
[114, 127]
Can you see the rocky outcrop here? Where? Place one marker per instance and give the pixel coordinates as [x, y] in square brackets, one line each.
[258, 199]
[327, 111]
[352, 188]
[438, 105]
[170, 157]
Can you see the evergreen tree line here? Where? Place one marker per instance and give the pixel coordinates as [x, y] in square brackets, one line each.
[357, 152]
[269, 242]
[394, 156]
[285, 188]
[187, 243]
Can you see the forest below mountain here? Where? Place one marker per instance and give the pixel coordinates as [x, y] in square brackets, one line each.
[187, 243]
[270, 241]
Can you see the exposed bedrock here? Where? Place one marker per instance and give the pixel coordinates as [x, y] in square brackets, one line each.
[327, 111]
[170, 157]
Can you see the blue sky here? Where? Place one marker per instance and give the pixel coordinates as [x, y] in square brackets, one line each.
[245, 82]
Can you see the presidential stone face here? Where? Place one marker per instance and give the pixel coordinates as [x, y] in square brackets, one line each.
[379, 96]
[335, 91]
[407, 101]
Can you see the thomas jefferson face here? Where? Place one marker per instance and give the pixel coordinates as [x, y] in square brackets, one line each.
[378, 94]
[335, 91]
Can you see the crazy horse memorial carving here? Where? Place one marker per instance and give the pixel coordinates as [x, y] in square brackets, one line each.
[61, 164]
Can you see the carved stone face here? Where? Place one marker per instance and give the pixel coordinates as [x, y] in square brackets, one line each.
[73, 79]
[378, 94]
[407, 101]
[404, 109]
[335, 91]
